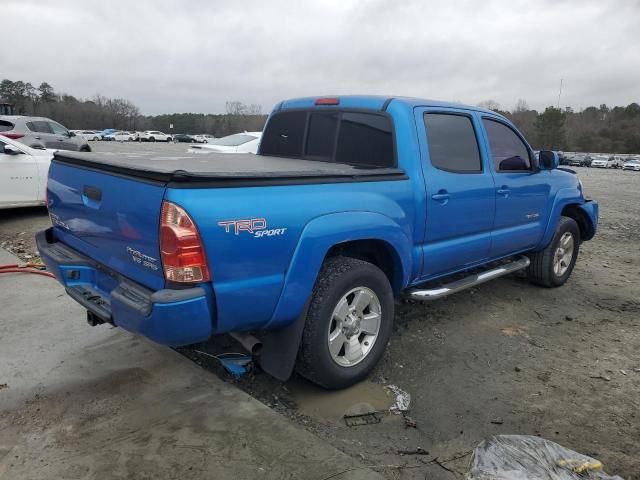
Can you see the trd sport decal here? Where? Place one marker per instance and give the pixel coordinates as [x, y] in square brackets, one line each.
[257, 227]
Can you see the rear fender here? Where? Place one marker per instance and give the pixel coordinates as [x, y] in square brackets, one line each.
[317, 238]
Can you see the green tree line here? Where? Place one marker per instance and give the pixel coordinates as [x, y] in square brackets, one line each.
[100, 112]
[595, 129]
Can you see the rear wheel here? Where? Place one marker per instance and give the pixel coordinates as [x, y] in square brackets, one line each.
[552, 266]
[348, 324]
[152, 139]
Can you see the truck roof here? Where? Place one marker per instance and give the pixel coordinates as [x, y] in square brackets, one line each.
[376, 102]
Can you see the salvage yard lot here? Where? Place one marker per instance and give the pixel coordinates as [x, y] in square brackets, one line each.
[506, 357]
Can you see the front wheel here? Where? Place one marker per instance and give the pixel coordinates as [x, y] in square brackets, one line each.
[348, 324]
[552, 266]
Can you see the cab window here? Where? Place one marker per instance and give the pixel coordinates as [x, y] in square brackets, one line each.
[509, 152]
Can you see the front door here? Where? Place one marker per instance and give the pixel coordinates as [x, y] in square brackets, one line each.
[522, 190]
[65, 140]
[460, 193]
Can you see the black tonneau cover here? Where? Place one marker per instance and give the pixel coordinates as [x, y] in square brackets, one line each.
[224, 169]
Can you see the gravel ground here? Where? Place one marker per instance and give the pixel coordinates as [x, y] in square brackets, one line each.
[504, 358]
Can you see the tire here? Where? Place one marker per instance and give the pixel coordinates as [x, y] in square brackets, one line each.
[152, 139]
[340, 280]
[544, 269]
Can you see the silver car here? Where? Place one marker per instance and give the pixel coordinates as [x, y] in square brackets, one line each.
[41, 132]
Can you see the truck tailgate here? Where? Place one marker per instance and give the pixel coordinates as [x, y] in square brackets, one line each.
[109, 218]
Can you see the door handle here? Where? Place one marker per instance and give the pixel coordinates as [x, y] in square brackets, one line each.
[504, 190]
[442, 196]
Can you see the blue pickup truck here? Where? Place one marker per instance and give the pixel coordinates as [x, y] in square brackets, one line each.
[299, 251]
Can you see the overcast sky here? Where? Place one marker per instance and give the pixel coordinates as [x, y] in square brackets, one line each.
[192, 56]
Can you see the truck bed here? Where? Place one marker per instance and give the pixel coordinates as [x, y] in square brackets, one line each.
[221, 169]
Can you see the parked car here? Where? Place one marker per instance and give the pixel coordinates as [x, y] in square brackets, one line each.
[23, 174]
[154, 136]
[105, 132]
[246, 142]
[616, 161]
[120, 136]
[576, 161]
[41, 132]
[565, 158]
[349, 202]
[600, 161]
[632, 165]
[88, 135]
[203, 138]
[183, 138]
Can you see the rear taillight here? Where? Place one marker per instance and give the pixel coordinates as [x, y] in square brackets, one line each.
[181, 247]
[12, 136]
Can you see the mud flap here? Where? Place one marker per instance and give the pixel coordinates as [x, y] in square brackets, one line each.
[280, 348]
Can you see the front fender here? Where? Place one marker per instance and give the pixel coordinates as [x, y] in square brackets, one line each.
[317, 238]
[565, 197]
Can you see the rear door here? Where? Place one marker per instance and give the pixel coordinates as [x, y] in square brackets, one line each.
[18, 178]
[42, 131]
[521, 194]
[460, 197]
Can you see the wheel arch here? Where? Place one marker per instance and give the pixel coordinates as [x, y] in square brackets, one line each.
[569, 202]
[366, 235]
[581, 217]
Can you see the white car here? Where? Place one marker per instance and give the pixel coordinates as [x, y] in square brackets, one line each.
[23, 174]
[155, 136]
[246, 142]
[203, 138]
[120, 136]
[602, 162]
[632, 165]
[88, 135]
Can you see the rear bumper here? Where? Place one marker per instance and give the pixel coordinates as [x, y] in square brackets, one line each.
[169, 316]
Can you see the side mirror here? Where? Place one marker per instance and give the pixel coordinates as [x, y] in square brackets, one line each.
[11, 150]
[71, 134]
[548, 160]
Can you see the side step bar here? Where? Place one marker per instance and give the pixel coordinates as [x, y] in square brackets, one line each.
[428, 294]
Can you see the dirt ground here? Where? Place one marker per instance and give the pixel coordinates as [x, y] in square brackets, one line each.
[504, 358]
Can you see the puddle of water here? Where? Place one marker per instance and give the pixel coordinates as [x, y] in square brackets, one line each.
[331, 406]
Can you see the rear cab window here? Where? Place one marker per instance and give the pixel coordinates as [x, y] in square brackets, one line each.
[358, 138]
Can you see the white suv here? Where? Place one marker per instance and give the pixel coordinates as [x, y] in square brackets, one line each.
[155, 136]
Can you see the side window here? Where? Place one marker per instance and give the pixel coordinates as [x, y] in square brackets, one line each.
[452, 143]
[283, 134]
[58, 129]
[365, 139]
[507, 149]
[42, 127]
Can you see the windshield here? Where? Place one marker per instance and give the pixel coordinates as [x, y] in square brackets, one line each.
[232, 140]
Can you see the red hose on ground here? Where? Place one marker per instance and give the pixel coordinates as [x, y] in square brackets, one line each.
[28, 268]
